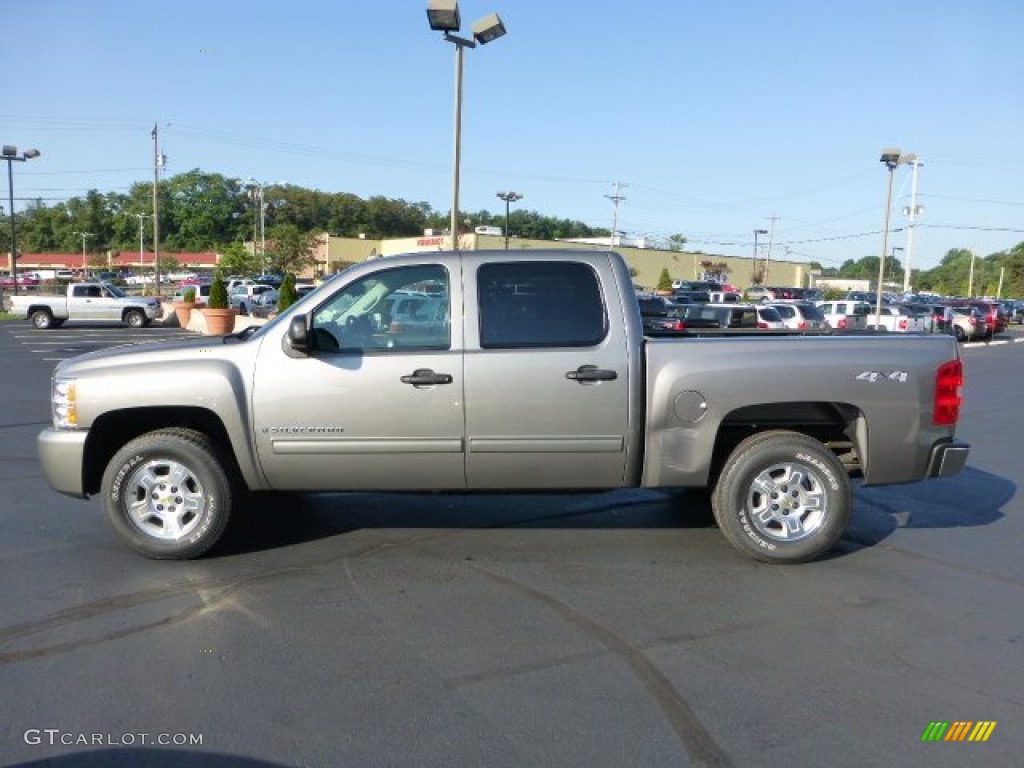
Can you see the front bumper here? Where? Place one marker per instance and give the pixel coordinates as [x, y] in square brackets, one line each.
[948, 458]
[61, 454]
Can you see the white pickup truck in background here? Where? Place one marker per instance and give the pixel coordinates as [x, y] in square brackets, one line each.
[85, 301]
[897, 319]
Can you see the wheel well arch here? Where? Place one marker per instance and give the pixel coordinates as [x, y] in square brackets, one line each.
[112, 430]
[839, 426]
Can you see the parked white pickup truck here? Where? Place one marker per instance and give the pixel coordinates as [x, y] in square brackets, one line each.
[896, 319]
[85, 301]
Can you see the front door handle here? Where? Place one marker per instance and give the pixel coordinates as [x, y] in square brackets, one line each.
[422, 377]
[591, 373]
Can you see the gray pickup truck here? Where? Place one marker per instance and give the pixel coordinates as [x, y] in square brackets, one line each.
[85, 301]
[499, 371]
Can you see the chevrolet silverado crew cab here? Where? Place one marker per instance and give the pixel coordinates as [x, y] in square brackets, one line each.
[85, 301]
[525, 370]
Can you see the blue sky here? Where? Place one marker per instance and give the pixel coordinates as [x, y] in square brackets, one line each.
[714, 117]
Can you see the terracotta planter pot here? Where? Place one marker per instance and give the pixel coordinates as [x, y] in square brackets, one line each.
[219, 321]
[183, 310]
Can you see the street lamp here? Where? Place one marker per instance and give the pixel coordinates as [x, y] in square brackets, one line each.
[443, 16]
[892, 259]
[142, 244]
[84, 236]
[764, 277]
[892, 157]
[508, 197]
[10, 154]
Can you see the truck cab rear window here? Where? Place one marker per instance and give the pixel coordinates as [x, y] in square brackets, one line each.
[540, 304]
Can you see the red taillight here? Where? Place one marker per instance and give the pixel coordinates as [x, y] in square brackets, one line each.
[842, 323]
[948, 380]
[903, 323]
[762, 324]
[677, 325]
[802, 326]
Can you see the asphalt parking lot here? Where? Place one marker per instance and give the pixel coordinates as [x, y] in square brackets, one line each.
[611, 629]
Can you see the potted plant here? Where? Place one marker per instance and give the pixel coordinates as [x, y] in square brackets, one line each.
[183, 308]
[220, 318]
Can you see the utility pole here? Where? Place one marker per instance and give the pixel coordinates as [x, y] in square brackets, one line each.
[617, 198]
[912, 212]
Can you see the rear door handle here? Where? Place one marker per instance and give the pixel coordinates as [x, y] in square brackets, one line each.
[425, 377]
[591, 373]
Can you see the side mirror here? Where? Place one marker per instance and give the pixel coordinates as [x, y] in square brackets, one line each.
[297, 339]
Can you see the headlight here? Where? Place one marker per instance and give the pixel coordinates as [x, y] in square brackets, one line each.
[64, 403]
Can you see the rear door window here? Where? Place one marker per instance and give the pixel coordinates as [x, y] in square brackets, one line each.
[540, 304]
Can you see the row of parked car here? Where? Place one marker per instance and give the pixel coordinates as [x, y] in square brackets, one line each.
[967, 319]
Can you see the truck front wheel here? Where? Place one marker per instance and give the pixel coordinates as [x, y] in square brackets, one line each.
[167, 494]
[782, 497]
[42, 319]
[134, 318]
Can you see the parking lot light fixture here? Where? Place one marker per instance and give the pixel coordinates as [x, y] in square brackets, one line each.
[443, 16]
[10, 154]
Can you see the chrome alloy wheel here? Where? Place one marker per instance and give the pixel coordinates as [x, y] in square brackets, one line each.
[164, 499]
[787, 502]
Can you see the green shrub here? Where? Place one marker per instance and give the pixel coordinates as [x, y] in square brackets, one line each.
[188, 295]
[218, 293]
[287, 296]
[665, 281]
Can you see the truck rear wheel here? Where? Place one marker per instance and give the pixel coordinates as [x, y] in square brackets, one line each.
[167, 494]
[41, 319]
[782, 497]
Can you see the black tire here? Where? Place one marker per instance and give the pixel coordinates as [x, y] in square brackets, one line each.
[135, 318]
[782, 497]
[41, 319]
[168, 494]
[960, 334]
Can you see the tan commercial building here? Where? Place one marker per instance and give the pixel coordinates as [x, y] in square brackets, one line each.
[646, 264]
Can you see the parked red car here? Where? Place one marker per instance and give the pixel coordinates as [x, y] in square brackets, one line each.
[7, 281]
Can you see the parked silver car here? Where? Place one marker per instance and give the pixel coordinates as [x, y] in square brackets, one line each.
[800, 315]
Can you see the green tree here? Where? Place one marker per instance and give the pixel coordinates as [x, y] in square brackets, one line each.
[676, 242]
[236, 259]
[665, 280]
[289, 249]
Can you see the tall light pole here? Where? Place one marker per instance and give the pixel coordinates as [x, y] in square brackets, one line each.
[159, 161]
[443, 16]
[892, 259]
[84, 236]
[892, 157]
[10, 154]
[142, 245]
[509, 198]
[764, 277]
